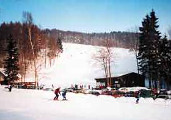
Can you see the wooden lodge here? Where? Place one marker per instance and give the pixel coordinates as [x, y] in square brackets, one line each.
[25, 85]
[17, 83]
[127, 80]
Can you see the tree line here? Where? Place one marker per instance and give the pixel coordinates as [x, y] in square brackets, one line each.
[119, 39]
[32, 43]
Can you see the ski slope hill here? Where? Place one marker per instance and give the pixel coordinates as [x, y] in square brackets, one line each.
[76, 65]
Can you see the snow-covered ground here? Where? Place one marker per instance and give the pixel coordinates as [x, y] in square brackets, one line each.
[21, 104]
[76, 65]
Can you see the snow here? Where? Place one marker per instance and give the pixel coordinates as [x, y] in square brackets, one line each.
[77, 66]
[22, 104]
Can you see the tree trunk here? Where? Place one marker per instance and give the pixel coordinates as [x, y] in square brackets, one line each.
[34, 59]
[45, 57]
[136, 54]
[110, 81]
[105, 69]
[150, 82]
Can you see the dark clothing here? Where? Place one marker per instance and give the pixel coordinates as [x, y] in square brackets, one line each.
[57, 92]
[10, 88]
[137, 101]
[56, 97]
[64, 95]
[138, 97]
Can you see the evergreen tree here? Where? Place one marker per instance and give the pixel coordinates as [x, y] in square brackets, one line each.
[11, 62]
[149, 56]
[143, 54]
[154, 50]
[165, 57]
[168, 65]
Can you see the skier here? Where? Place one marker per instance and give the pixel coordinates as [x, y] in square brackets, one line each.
[10, 88]
[57, 92]
[138, 97]
[64, 94]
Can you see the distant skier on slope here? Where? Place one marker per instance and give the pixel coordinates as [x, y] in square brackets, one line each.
[10, 88]
[138, 97]
[57, 92]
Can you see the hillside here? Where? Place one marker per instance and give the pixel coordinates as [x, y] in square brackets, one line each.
[77, 66]
[119, 39]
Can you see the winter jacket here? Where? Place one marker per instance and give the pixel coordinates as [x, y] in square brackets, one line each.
[57, 91]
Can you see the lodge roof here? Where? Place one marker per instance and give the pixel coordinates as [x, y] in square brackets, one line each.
[133, 73]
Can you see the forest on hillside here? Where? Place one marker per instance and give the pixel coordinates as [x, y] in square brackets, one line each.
[119, 39]
[33, 40]
[32, 43]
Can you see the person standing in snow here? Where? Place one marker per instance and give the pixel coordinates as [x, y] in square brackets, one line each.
[57, 92]
[10, 88]
[138, 97]
[64, 94]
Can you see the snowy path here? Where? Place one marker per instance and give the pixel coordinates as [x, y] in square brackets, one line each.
[38, 105]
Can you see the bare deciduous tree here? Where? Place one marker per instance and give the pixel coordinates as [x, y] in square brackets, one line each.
[104, 57]
[28, 20]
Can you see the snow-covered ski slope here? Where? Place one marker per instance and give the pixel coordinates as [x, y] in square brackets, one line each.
[76, 65]
[22, 104]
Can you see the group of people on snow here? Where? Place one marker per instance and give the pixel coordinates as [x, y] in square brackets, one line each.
[57, 93]
[64, 91]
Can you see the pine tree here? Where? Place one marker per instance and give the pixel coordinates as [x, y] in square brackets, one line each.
[148, 56]
[165, 56]
[143, 54]
[169, 64]
[154, 50]
[11, 62]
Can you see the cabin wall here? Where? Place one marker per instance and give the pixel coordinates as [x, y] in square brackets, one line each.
[128, 80]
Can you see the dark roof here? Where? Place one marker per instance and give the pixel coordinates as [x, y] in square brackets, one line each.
[133, 73]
